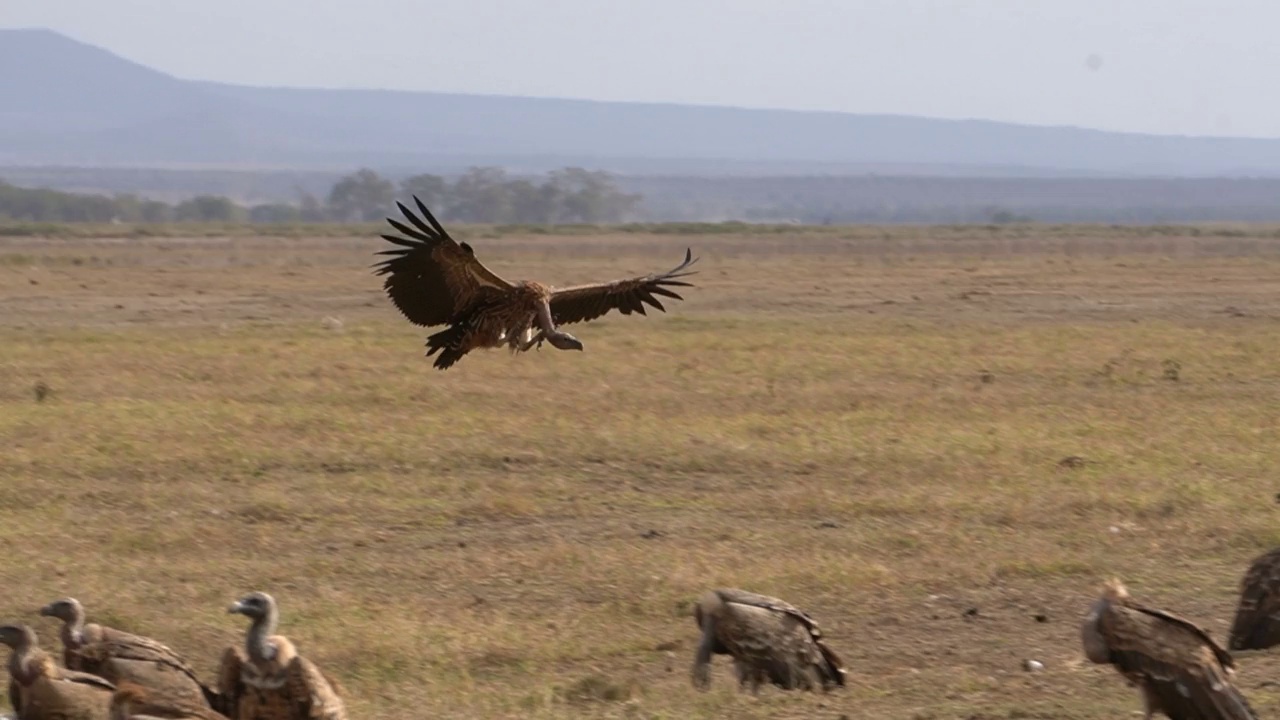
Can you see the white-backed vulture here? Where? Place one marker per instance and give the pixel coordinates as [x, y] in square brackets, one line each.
[768, 639]
[435, 280]
[40, 690]
[268, 679]
[117, 655]
[1257, 622]
[132, 701]
[1176, 666]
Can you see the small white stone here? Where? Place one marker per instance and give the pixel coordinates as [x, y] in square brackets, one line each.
[1032, 665]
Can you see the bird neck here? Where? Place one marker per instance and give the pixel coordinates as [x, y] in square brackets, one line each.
[21, 663]
[257, 643]
[73, 630]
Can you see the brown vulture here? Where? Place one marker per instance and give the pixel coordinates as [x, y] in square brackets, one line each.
[267, 679]
[769, 640]
[435, 280]
[1179, 670]
[40, 690]
[1257, 622]
[119, 656]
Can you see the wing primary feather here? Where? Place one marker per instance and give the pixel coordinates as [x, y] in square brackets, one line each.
[430, 218]
[417, 221]
[424, 236]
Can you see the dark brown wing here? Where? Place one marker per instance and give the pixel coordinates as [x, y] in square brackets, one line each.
[1176, 663]
[588, 302]
[230, 685]
[312, 693]
[1255, 626]
[431, 278]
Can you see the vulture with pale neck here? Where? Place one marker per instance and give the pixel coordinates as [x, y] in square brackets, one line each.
[117, 656]
[1177, 667]
[435, 280]
[40, 690]
[267, 679]
[769, 640]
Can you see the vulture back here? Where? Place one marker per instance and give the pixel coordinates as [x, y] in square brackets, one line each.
[1255, 626]
[1176, 665]
[769, 640]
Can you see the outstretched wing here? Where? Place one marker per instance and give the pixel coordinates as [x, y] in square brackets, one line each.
[1176, 661]
[431, 278]
[588, 302]
[1255, 625]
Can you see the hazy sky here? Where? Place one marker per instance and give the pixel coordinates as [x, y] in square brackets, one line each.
[1167, 66]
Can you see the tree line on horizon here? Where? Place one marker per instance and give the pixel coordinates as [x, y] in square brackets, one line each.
[480, 195]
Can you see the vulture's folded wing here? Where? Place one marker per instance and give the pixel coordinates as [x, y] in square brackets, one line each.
[230, 684]
[1255, 625]
[432, 278]
[315, 696]
[588, 302]
[1177, 662]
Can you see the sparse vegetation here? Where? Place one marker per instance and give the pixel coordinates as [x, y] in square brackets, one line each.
[522, 537]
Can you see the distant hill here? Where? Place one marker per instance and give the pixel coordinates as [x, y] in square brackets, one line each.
[63, 102]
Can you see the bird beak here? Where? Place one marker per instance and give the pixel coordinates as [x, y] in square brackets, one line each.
[47, 610]
[236, 607]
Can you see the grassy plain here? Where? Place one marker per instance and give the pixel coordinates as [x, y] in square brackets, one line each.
[868, 422]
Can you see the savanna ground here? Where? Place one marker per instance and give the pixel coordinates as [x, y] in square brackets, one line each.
[869, 423]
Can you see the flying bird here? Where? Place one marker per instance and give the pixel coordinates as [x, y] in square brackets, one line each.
[1257, 622]
[118, 656]
[435, 280]
[267, 679]
[1179, 670]
[769, 640]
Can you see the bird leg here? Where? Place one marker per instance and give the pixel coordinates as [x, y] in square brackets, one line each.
[702, 660]
[534, 341]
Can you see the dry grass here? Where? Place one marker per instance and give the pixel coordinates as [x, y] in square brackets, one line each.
[868, 424]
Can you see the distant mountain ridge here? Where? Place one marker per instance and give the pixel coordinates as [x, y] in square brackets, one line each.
[63, 102]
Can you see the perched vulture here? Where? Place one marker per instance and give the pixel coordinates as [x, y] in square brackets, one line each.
[435, 280]
[768, 639]
[117, 656]
[1257, 623]
[1180, 671]
[132, 701]
[268, 679]
[40, 690]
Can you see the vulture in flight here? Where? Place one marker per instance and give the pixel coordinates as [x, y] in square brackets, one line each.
[119, 656]
[40, 690]
[768, 639]
[435, 280]
[267, 679]
[1257, 622]
[1179, 670]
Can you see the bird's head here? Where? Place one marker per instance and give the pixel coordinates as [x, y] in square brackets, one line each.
[1113, 589]
[564, 341]
[67, 609]
[255, 605]
[17, 636]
